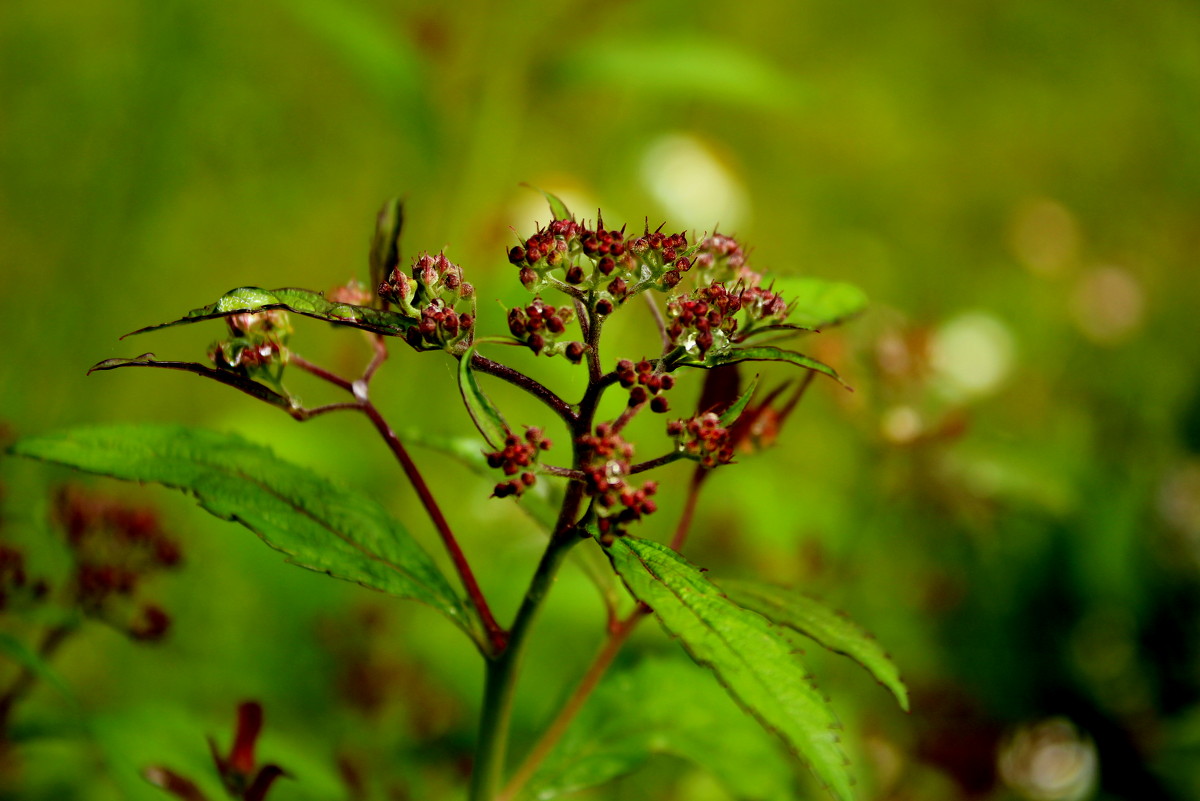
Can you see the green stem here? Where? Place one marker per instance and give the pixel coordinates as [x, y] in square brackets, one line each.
[502, 669]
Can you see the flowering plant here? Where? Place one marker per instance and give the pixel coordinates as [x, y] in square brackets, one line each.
[713, 313]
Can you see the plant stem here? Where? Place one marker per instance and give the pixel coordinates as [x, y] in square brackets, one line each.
[502, 668]
[25, 680]
[534, 388]
[618, 634]
[495, 634]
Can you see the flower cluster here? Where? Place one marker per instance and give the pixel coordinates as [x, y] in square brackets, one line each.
[431, 297]
[601, 260]
[644, 383]
[703, 439]
[539, 325]
[257, 343]
[517, 456]
[721, 258]
[114, 547]
[703, 319]
[606, 466]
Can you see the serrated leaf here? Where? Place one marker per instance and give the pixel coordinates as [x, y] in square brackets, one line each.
[818, 622]
[735, 411]
[301, 301]
[751, 658]
[385, 245]
[227, 377]
[319, 525]
[483, 412]
[663, 706]
[760, 353]
[817, 303]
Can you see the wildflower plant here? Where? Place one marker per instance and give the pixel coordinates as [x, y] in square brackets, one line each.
[712, 311]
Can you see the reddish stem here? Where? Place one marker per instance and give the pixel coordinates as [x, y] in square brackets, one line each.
[496, 635]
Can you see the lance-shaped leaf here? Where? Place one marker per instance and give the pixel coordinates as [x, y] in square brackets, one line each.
[816, 303]
[657, 707]
[385, 245]
[758, 353]
[318, 524]
[227, 377]
[750, 656]
[487, 417]
[818, 622]
[730, 415]
[557, 207]
[301, 301]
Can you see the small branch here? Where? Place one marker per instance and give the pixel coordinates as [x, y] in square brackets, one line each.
[320, 372]
[581, 315]
[300, 413]
[496, 635]
[562, 472]
[626, 415]
[666, 458]
[381, 354]
[533, 387]
[659, 321]
[617, 636]
[28, 677]
[689, 509]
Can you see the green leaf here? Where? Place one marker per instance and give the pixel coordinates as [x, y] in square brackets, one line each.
[385, 245]
[663, 706]
[318, 524]
[818, 622]
[760, 353]
[557, 207]
[735, 411]
[751, 658]
[485, 414]
[301, 301]
[680, 70]
[816, 303]
[227, 377]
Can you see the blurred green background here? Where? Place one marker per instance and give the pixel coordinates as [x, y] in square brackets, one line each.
[1010, 500]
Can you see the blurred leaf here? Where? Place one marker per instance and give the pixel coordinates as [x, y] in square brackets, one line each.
[228, 377]
[818, 622]
[752, 659]
[663, 706]
[384, 61]
[557, 207]
[683, 69]
[385, 246]
[319, 525]
[301, 301]
[485, 414]
[758, 353]
[816, 303]
[18, 652]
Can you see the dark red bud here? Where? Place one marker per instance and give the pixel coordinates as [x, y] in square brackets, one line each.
[528, 277]
[516, 255]
[659, 404]
[604, 307]
[637, 396]
[575, 274]
[574, 352]
[671, 279]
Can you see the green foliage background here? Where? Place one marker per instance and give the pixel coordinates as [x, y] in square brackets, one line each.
[1028, 172]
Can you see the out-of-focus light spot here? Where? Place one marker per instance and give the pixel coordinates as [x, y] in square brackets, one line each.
[972, 354]
[1049, 761]
[901, 424]
[1179, 502]
[693, 185]
[1045, 237]
[1107, 305]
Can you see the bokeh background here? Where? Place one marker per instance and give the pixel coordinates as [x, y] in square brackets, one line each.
[1010, 500]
